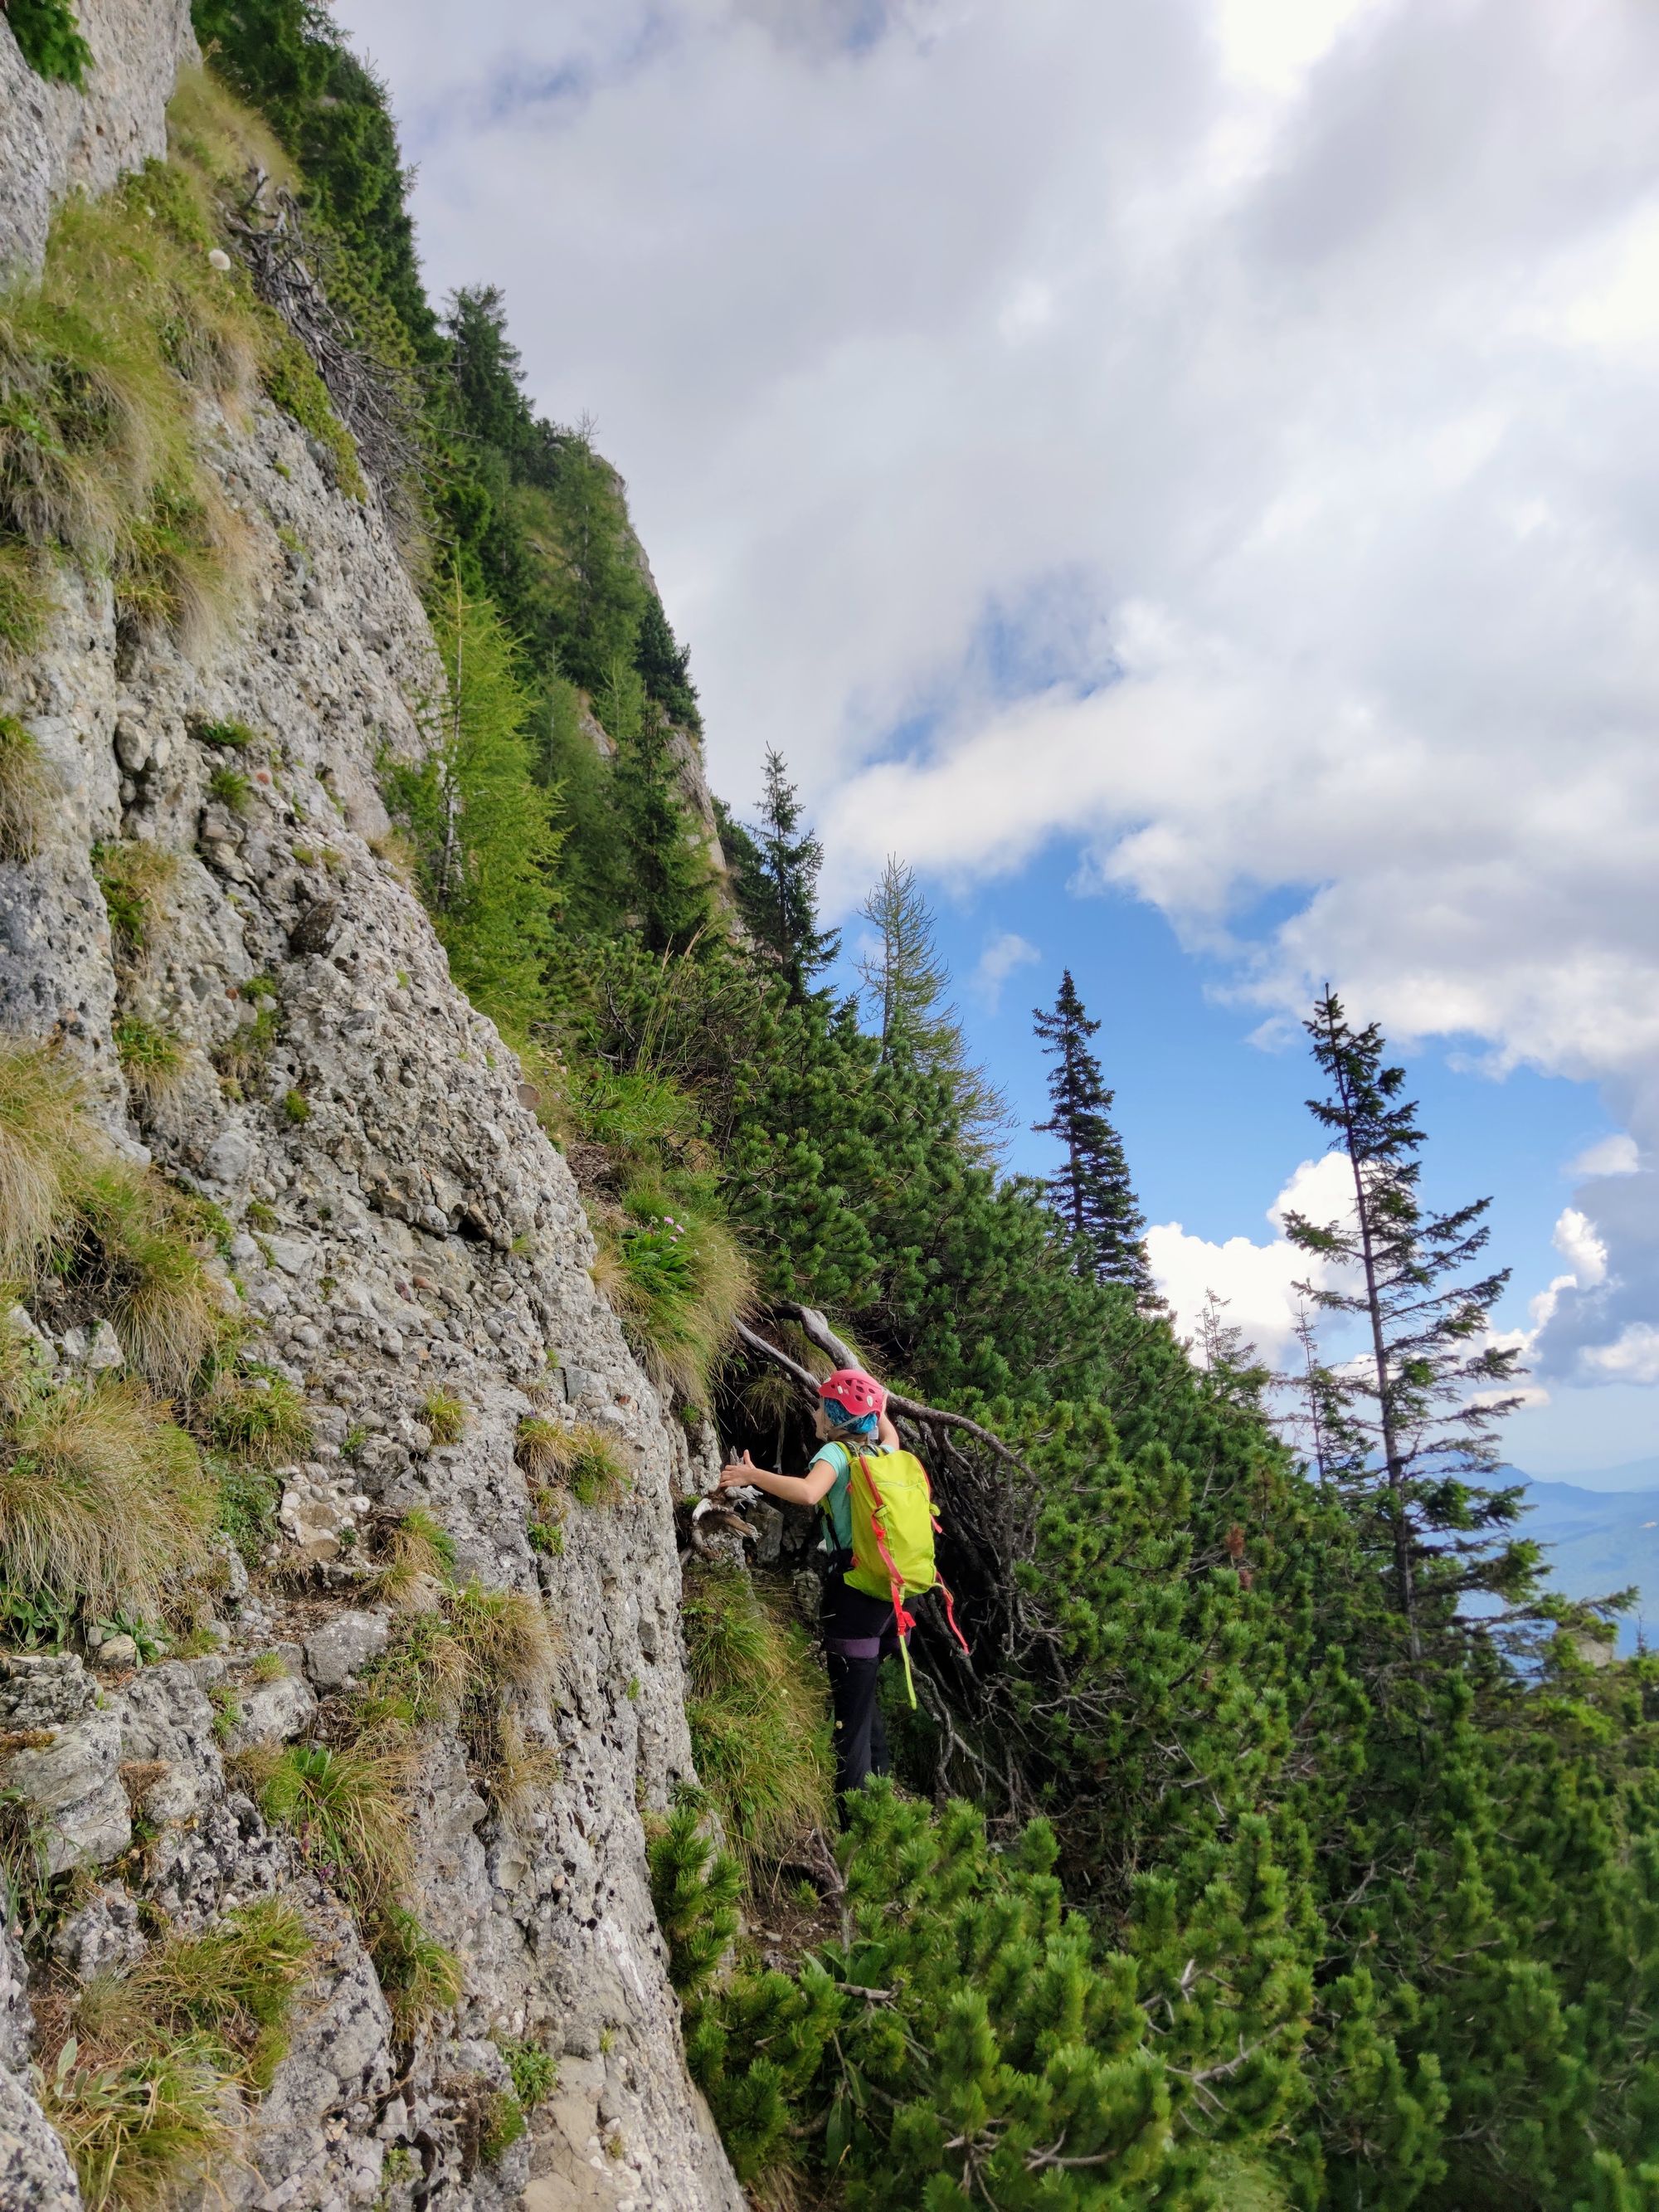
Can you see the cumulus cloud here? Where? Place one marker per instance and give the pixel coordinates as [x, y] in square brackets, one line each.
[1214, 433]
[1003, 954]
[1610, 1156]
[1576, 1240]
[1255, 1281]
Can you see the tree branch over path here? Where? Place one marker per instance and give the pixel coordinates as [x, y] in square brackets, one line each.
[818, 1329]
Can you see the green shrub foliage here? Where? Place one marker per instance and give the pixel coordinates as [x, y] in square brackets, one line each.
[50, 38]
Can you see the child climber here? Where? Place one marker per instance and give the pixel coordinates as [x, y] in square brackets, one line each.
[860, 1631]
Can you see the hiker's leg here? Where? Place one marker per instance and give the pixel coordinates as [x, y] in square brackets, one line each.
[879, 1762]
[853, 1696]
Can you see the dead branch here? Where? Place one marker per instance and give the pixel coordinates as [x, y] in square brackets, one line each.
[376, 405]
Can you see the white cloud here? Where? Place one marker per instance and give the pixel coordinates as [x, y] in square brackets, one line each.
[1216, 434]
[1576, 1240]
[1255, 1280]
[1633, 1356]
[1003, 954]
[1609, 1155]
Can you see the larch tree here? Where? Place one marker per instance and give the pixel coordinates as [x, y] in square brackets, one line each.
[904, 983]
[1415, 1416]
[1091, 1193]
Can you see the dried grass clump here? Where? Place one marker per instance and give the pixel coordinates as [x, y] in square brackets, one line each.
[102, 1499]
[45, 1144]
[144, 1267]
[134, 878]
[756, 1709]
[76, 1215]
[152, 1058]
[417, 1562]
[581, 1458]
[25, 601]
[28, 792]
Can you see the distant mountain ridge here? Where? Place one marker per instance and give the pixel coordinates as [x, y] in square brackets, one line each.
[1602, 1540]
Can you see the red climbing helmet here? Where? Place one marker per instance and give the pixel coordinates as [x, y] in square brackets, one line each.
[850, 1388]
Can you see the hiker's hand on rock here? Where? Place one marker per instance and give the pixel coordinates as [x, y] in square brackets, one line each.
[737, 1474]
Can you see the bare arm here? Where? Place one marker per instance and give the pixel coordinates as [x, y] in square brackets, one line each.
[808, 1489]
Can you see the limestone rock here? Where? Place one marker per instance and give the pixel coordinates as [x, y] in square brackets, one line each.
[336, 1653]
[415, 1232]
[271, 1713]
[72, 1788]
[54, 140]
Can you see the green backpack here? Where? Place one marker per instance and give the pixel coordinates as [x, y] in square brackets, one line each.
[893, 1530]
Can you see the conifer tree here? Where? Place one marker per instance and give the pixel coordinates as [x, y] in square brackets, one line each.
[1417, 1411]
[664, 666]
[904, 982]
[482, 827]
[671, 872]
[777, 861]
[1092, 1192]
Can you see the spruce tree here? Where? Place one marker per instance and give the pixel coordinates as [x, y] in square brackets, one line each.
[670, 872]
[1092, 1192]
[778, 862]
[1417, 1411]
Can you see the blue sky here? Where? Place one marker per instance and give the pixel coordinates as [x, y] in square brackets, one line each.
[1183, 473]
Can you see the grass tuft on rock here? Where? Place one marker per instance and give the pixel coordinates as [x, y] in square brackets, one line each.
[346, 1806]
[419, 1977]
[28, 790]
[103, 1500]
[759, 1731]
[445, 1415]
[679, 1281]
[152, 1060]
[45, 1142]
[134, 878]
[418, 1561]
[140, 2131]
[581, 1457]
[257, 1414]
[143, 2088]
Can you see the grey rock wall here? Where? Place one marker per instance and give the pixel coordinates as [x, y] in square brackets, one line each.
[54, 140]
[407, 1228]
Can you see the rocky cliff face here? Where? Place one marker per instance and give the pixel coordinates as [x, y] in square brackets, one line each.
[398, 1226]
[54, 140]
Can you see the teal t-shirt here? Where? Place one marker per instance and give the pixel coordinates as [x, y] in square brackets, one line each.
[836, 1504]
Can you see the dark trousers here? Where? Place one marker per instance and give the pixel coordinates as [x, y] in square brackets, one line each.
[858, 1633]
